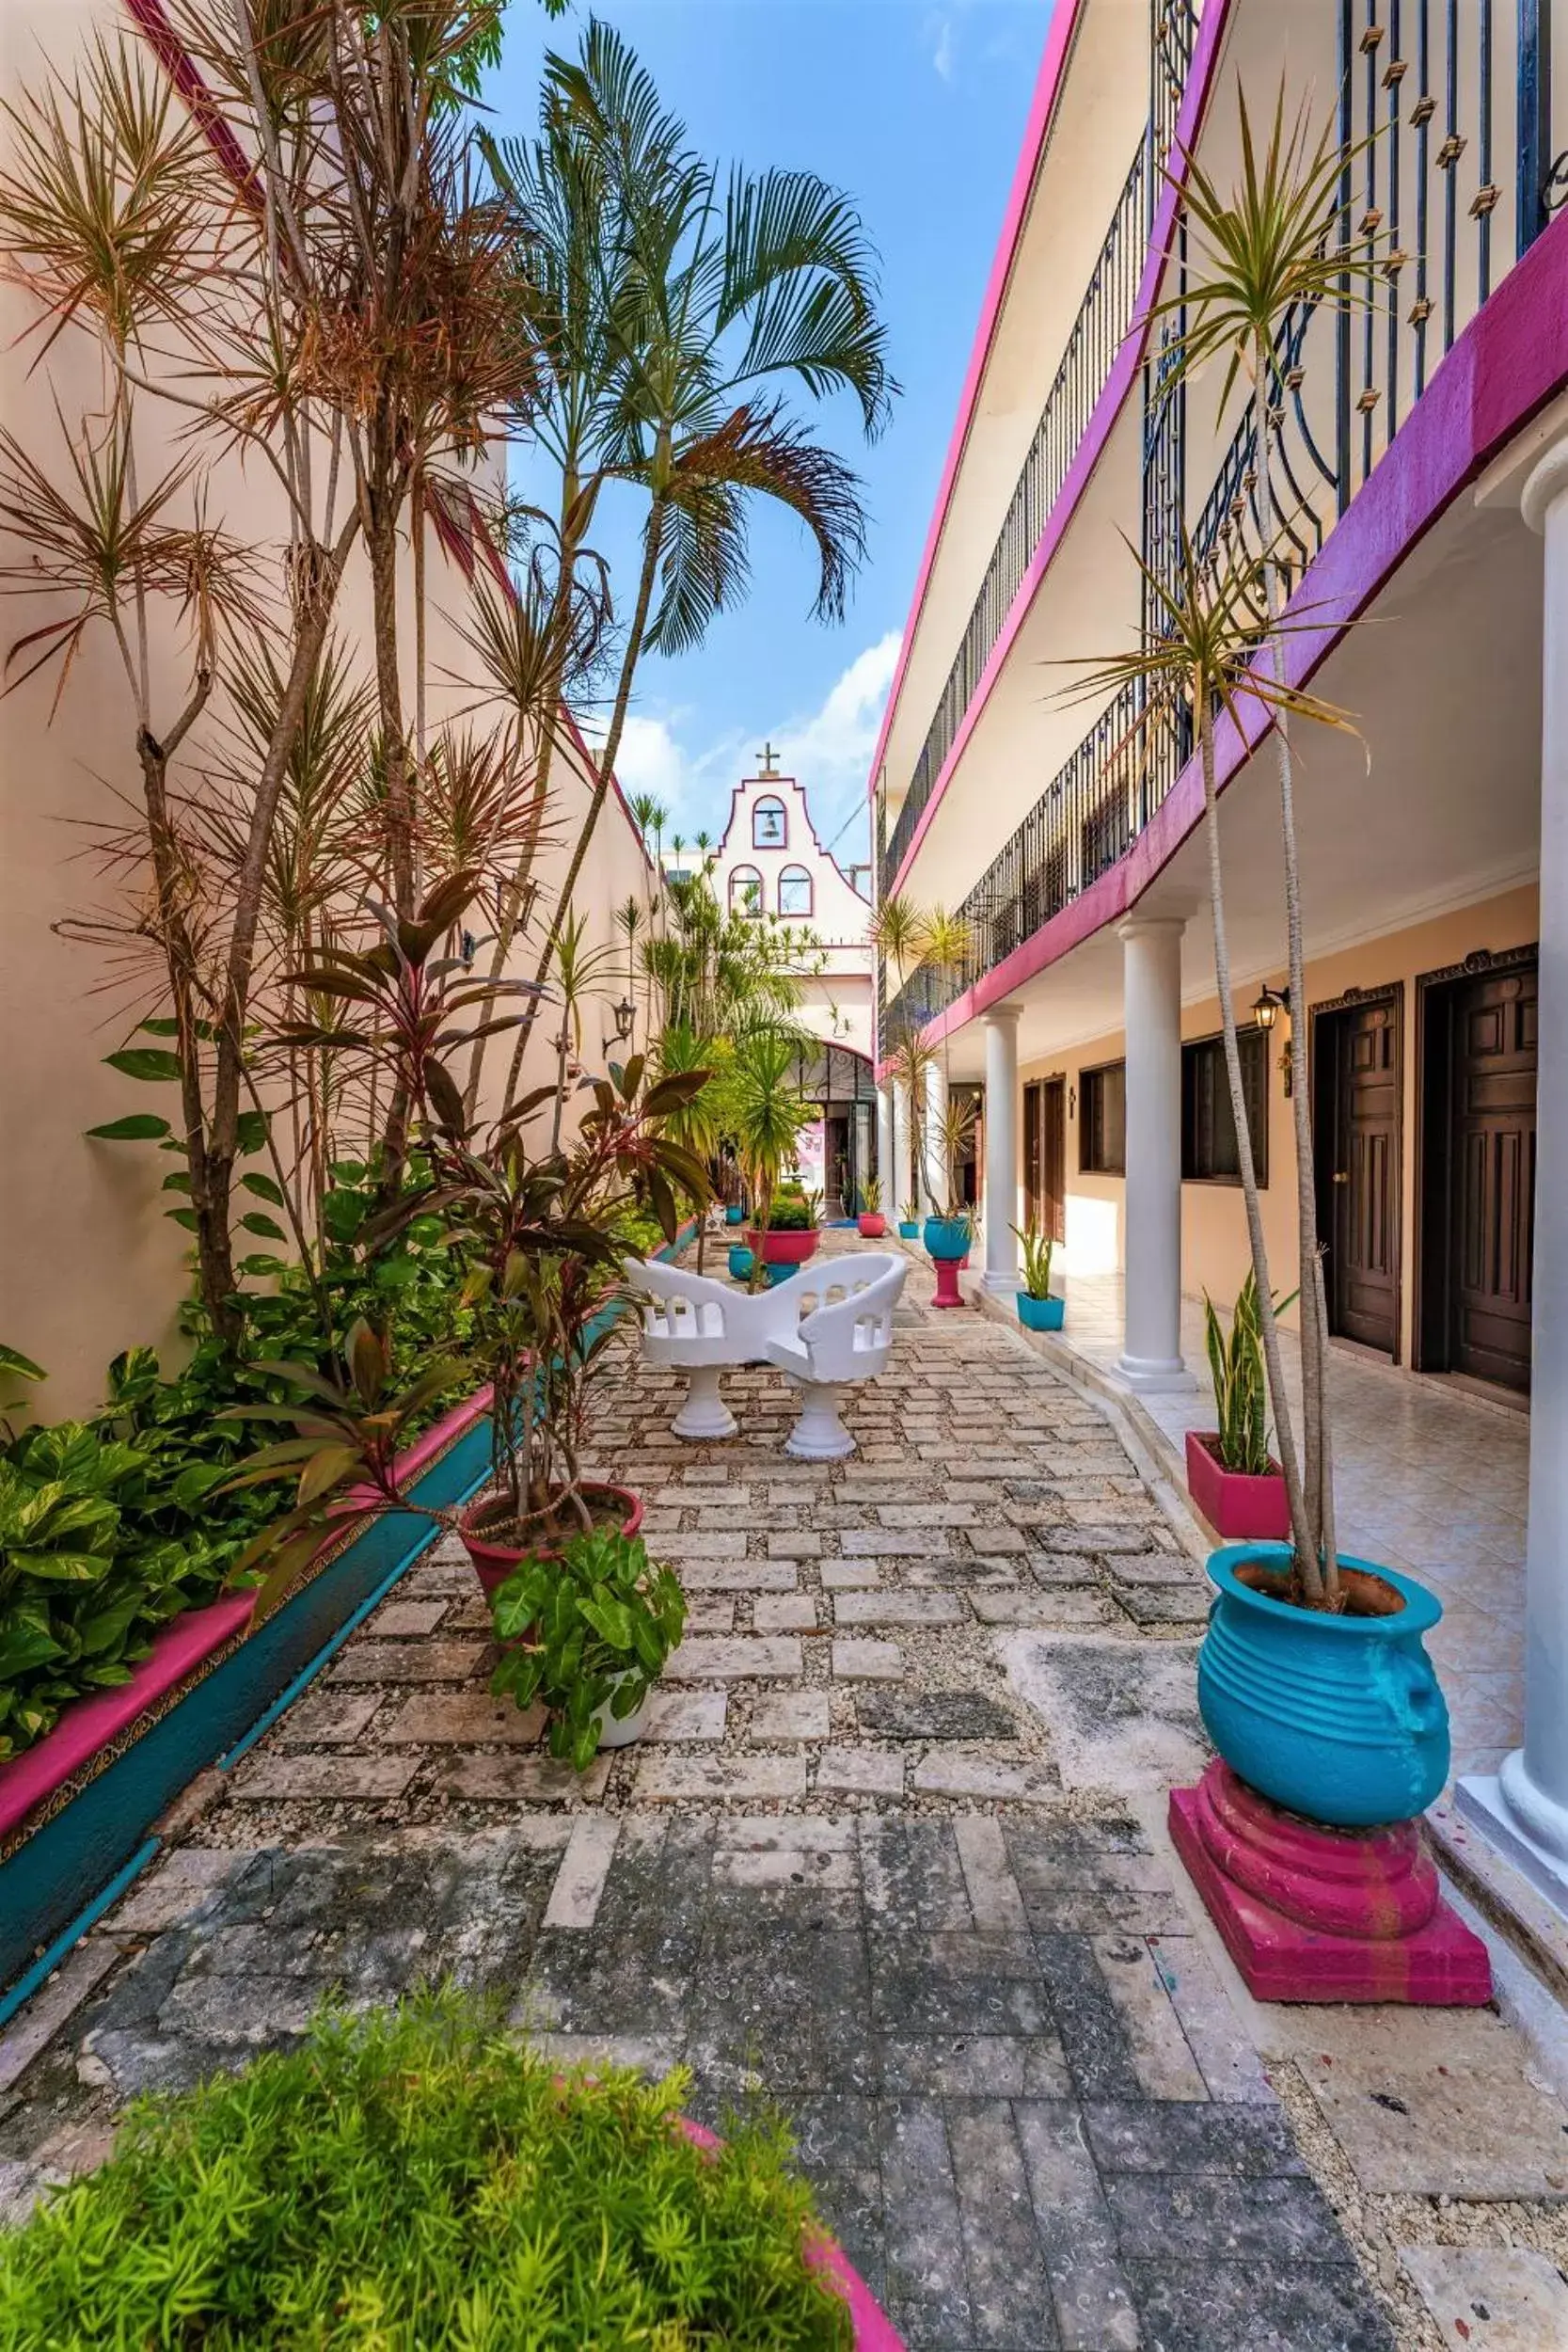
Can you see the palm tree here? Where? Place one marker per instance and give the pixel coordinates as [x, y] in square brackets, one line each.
[946, 942]
[1273, 249]
[704, 303]
[1211, 645]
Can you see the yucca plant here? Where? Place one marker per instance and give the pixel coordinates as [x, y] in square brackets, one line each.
[1203, 653]
[1037, 1248]
[1278, 243]
[1237, 1370]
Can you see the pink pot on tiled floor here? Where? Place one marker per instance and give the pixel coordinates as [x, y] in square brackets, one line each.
[1245, 1508]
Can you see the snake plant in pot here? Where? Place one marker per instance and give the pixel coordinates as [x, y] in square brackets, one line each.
[870, 1221]
[1231, 1475]
[1037, 1310]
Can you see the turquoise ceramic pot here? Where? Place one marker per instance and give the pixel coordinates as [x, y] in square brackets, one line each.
[735, 1213]
[948, 1236]
[1040, 1315]
[1340, 1719]
[740, 1265]
[908, 1230]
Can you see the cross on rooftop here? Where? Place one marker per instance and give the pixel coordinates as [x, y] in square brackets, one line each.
[769, 759]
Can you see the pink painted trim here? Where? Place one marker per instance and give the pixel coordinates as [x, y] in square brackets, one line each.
[1510, 361]
[874, 2330]
[182, 71]
[1042, 112]
[185, 1643]
[88, 1724]
[1108, 407]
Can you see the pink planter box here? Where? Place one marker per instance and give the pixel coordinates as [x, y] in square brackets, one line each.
[1246, 1509]
[778, 1248]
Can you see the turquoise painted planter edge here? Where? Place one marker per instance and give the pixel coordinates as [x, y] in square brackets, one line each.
[1306, 1783]
[52, 1883]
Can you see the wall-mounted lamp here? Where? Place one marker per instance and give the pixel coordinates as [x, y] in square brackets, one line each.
[1267, 1006]
[626, 1019]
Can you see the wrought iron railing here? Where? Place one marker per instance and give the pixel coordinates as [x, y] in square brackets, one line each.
[1420, 75]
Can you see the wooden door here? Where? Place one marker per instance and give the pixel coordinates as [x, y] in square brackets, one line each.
[1357, 1084]
[1045, 1156]
[1492, 1103]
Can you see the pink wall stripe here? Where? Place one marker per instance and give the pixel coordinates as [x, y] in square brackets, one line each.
[1508, 364]
[1119, 385]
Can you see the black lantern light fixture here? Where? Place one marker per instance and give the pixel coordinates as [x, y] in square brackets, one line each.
[625, 1017]
[1267, 1006]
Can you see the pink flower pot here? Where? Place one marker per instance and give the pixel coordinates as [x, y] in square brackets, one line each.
[872, 1226]
[1235, 1504]
[494, 1562]
[784, 1248]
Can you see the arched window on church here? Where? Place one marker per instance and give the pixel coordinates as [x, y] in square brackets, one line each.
[795, 891]
[770, 826]
[745, 890]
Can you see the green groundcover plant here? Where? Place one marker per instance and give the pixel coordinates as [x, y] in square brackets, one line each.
[410, 2180]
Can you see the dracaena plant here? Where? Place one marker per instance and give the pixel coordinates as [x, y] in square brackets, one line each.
[534, 1211]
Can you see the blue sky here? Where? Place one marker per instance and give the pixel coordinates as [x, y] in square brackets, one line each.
[917, 110]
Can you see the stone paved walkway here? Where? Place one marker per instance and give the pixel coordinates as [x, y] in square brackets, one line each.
[890, 1852]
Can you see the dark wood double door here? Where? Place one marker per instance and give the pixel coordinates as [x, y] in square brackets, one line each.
[1478, 1031]
[1475, 1074]
[1045, 1157]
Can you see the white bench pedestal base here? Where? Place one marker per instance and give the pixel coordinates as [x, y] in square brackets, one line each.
[820, 1436]
[705, 1417]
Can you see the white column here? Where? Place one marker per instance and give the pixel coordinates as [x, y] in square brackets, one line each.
[1525, 1809]
[936, 1111]
[900, 1187]
[1151, 981]
[887, 1166]
[1001, 1027]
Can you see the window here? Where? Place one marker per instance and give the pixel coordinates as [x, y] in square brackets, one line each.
[1102, 1119]
[1209, 1153]
[745, 890]
[770, 826]
[795, 891]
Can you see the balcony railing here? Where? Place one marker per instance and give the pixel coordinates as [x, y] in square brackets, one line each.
[1103, 318]
[1424, 79]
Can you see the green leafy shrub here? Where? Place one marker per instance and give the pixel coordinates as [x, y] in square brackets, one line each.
[412, 2178]
[590, 1628]
[111, 1526]
[790, 1214]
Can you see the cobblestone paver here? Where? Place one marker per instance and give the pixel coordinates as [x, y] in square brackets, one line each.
[878, 1855]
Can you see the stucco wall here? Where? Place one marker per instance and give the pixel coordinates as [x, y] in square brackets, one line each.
[89, 1263]
[1214, 1253]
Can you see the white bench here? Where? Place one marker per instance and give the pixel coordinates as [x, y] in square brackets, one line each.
[694, 1325]
[848, 1338]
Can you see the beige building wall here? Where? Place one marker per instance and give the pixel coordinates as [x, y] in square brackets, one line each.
[1215, 1251]
[89, 1263]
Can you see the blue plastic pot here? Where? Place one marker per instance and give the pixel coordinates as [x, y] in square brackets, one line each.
[740, 1263]
[1040, 1315]
[948, 1236]
[908, 1230]
[735, 1213]
[1338, 1718]
[778, 1270]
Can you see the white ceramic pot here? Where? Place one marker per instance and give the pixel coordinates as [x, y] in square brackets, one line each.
[619, 1731]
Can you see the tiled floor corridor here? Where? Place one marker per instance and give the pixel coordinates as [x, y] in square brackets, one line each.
[892, 1852]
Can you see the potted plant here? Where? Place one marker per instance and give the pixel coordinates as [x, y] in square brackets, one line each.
[870, 1221]
[587, 1630]
[742, 1262]
[766, 1114]
[908, 1222]
[1037, 1310]
[1313, 1670]
[540, 1229]
[409, 2163]
[1231, 1475]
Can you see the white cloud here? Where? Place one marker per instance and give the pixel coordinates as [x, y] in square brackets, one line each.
[941, 54]
[831, 749]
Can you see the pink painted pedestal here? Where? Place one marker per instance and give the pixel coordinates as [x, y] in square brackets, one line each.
[948, 1293]
[1321, 1915]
